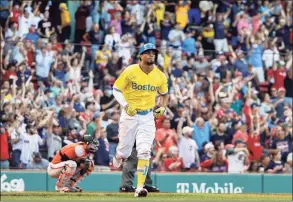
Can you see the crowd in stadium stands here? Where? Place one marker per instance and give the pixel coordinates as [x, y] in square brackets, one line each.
[229, 67]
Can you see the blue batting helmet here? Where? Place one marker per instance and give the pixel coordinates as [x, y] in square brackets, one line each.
[148, 46]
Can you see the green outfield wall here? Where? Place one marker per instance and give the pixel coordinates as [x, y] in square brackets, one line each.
[167, 182]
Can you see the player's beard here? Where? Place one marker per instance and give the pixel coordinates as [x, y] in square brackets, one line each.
[150, 62]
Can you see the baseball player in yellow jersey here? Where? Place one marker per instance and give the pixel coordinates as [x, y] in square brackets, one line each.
[136, 90]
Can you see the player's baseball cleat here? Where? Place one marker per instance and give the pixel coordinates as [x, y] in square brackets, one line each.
[151, 188]
[117, 163]
[141, 192]
[127, 189]
[62, 189]
[75, 189]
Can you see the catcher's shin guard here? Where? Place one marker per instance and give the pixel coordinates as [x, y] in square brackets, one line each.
[83, 173]
[65, 175]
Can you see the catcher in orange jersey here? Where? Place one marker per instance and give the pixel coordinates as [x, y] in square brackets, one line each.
[72, 164]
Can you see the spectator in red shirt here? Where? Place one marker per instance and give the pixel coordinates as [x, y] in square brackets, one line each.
[8, 74]
[173, 162]
[166, 137]
[279, 72]
[15, 13]
[217, 164]
[241, 134]
[4, 154]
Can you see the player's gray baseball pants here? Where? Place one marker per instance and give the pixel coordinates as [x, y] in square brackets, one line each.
[129, 169]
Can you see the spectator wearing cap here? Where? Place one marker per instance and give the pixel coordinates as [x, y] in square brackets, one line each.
[238, 157]
[208, 152]
[65, 27]
[189, 44]
[4, 152]
[92, 126]
[181, 12]
[187, 146]
[112, 134]
[38, 162]
[32, 35]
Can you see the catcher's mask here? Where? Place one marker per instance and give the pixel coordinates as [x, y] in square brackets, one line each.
[92, 143]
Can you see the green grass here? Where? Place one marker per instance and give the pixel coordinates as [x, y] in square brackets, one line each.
[49, 196]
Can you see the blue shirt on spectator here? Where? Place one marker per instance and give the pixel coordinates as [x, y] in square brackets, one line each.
[60, 75]
[201, 135]
[78, 107]
[219, 30]
[102, 155]
[255, 58]
[32, 36]
[242, 66]
[194, 16]
[189, 45]
[4, 13]
[43, 65]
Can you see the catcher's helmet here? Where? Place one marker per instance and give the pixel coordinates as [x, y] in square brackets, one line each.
[148, 46]
[91, 142]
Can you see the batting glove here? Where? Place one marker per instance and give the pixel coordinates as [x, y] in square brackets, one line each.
[130, 111]
[159, 112]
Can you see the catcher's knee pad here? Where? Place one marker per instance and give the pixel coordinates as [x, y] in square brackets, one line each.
[70, 167]
[143, 153]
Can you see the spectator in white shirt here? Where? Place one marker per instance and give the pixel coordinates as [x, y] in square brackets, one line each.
[24, 22]
[176, 37]
[238, 157]
[187, 146]
[31, 142]
[112, 38]
[17, 141]
[270, 55]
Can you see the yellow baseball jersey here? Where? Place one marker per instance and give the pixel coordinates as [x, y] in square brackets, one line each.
[140, 89]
